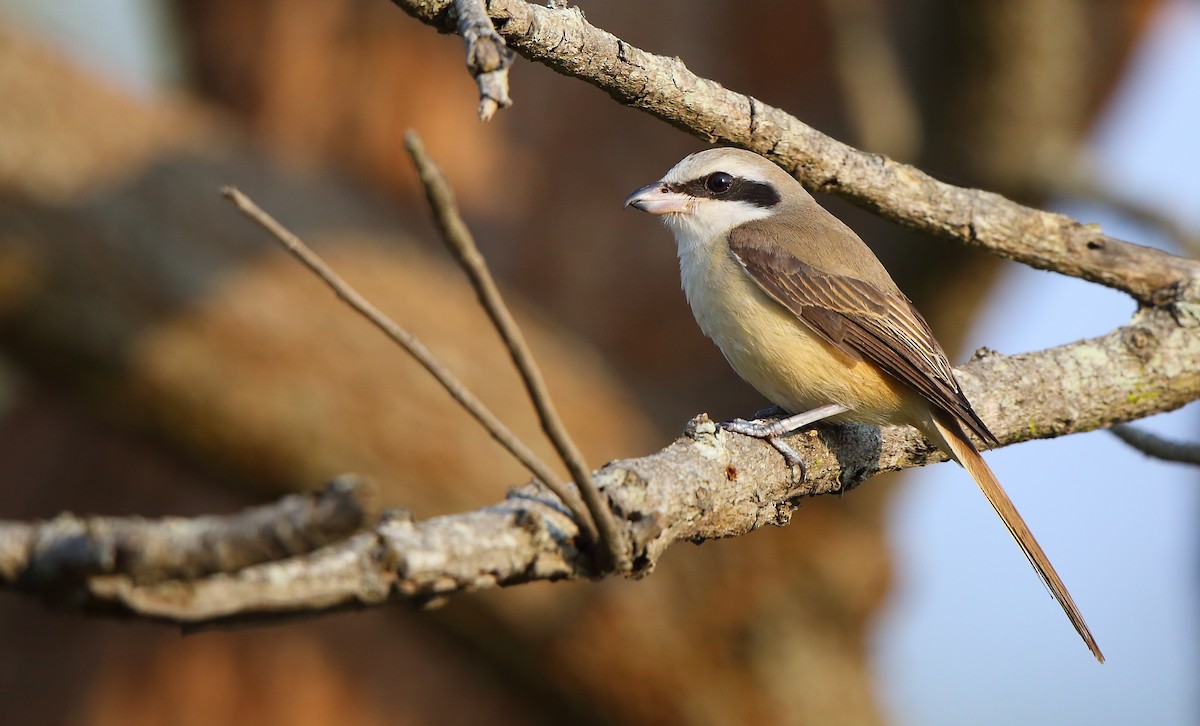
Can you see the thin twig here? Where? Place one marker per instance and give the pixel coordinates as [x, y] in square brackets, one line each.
[52, 555]
[1182, 452]
[459, 240]
[488, 56]
[1077, 176]
[417, 350]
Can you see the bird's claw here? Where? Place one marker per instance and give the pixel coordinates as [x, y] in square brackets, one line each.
[794, 462]
[771, 433]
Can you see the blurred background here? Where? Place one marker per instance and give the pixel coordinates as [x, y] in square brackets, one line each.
[159, 356]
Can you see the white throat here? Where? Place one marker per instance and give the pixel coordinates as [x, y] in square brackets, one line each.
[709, 221]
[700, 238]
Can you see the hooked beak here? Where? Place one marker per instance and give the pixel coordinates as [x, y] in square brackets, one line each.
[656, 198]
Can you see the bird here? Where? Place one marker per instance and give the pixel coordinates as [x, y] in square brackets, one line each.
[804, 312]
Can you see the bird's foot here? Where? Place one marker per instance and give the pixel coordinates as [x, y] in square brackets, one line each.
[772, 430]
[763, 429]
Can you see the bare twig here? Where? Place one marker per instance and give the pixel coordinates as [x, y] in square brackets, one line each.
[664, 87]
[488, 56]
[417, 350]
[462, 246]
[1075, 176]
[1188, 241]
[67, 549]
[1182, 452]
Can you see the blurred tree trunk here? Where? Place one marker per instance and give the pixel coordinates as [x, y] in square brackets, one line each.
[143, 292]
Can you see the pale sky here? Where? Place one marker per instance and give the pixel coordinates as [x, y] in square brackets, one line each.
[971, 636]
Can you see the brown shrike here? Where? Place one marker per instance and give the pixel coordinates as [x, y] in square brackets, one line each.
[805, 313]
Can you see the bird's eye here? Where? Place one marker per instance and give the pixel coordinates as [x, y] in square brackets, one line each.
[718, 182]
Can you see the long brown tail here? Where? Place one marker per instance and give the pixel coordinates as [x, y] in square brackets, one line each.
[956, 443]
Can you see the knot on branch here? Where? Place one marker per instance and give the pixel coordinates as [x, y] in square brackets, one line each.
[487, 52]
[1139, 340]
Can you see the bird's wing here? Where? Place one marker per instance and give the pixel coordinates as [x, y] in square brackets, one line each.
[862, 321]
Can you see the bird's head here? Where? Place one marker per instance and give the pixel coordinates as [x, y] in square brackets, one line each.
[712, 191]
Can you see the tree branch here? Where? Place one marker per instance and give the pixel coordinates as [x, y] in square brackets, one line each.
[665, 88]
[707, 485]
[1159, 447]
[67, 549]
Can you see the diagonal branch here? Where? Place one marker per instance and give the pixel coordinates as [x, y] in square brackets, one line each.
[414, 347]
[665, 88]
[462, 245]
[708, 484]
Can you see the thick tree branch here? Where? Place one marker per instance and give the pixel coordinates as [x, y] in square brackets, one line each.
[707, 485]
[665, 88]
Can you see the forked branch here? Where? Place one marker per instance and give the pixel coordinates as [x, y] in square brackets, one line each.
[414, 347]
[462, 246]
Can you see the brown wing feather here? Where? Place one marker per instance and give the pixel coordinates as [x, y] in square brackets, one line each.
[862, 321]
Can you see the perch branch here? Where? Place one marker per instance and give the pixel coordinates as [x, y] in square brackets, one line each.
[462, 246]
[563, 40]
[416, 349]
[709, 484]
[488, 56]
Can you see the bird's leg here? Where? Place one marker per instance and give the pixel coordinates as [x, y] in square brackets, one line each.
[780, 427]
